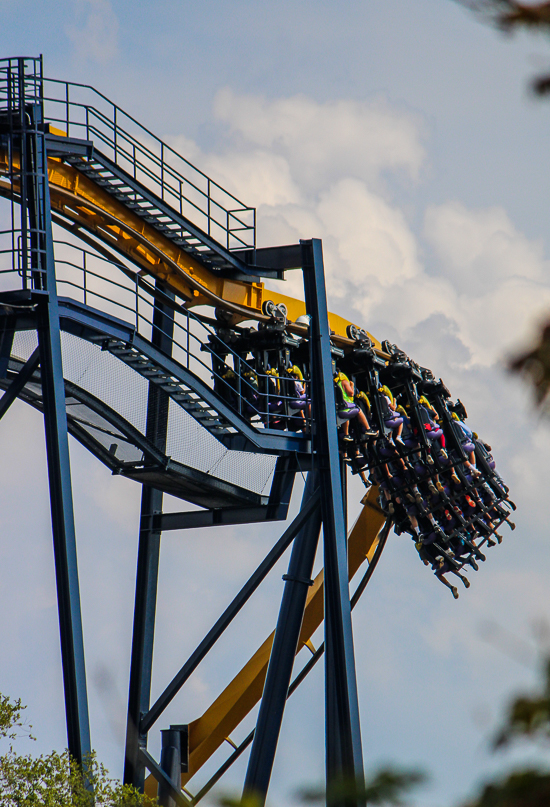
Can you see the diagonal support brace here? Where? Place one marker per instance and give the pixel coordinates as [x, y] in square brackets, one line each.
[229, 614]
[24, 375]
[163, 779]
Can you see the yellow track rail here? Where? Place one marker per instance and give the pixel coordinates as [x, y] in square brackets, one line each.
[245, 690]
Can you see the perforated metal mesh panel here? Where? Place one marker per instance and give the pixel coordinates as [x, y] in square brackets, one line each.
[104, 432]
[24, 343]
[121, 388]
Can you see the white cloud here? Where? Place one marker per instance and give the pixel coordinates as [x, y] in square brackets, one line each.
[257, 174]
[479, 249]
[373, 238]
[95, 36]
[325, 141]
[497, 275]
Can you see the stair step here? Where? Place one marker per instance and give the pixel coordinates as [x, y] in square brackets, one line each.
[124, 352]
[188, 399]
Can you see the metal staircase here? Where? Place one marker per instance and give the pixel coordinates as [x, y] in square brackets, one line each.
[177, 390]
[109, 176]
[150, 178]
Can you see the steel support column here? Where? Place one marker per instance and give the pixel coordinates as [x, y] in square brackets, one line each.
[147, 567]
[64, 538]
[25, 120]
[171, 758]
[343, 735]
[40, 261]
[283, 653]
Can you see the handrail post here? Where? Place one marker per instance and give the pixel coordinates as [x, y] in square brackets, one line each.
[115, 133]
[67, 107]
[137, 303]
[208, 203]
[239, 383]
[84, 269]
[162, 170]
[254, 231]
[188, 337]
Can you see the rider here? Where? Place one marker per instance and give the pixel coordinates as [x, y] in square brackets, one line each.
[392, 419]
[348, 409]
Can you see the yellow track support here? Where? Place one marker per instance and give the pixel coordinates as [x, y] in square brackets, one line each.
[220, 720]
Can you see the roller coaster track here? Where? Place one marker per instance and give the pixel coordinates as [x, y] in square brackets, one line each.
[158, 239]
[145, 330]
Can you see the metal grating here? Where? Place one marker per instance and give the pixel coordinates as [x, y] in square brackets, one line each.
[113, 382]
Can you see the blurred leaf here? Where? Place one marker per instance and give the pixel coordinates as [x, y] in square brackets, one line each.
[525, 788]
[528, 716]
[508, 15]
[535, 366]
[386, 786]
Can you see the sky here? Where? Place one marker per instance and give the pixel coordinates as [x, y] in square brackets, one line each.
[403, 135]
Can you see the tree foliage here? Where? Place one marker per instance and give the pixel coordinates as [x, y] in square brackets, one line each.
[509, 16]
[55, 780]
[387, 786]
[526, 719]
[528, 716]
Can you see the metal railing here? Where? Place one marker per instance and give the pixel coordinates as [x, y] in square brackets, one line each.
[118, 291]
[256, 396]
[81, 111]
[22, 130]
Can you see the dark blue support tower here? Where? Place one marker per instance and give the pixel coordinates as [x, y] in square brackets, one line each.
[343, 735]
[284, 649]
[148, 561]
[23, 86]
[344, 758]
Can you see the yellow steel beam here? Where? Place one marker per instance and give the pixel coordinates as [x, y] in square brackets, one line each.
[209, 731]
[79, 199]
